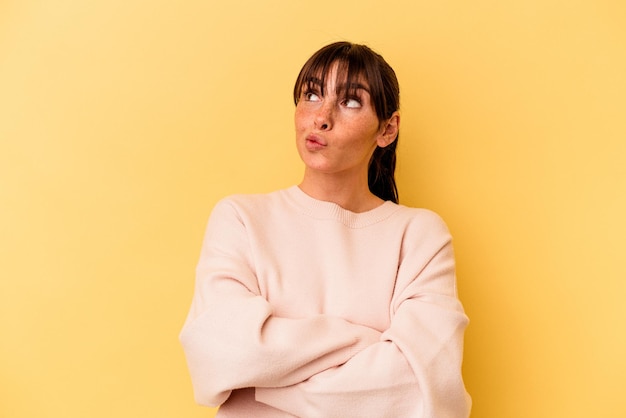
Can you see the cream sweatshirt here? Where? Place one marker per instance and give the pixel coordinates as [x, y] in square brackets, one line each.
[305, 309]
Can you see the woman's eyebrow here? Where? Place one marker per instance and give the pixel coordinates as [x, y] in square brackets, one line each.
[314, 80]
[343, 87]
[352, 87]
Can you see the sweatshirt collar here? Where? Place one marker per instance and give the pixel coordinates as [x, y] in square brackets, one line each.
[319, 209]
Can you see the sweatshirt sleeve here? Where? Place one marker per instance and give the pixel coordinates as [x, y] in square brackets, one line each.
[231, 338]
[415, 368]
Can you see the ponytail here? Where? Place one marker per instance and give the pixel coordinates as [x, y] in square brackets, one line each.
[380, 176]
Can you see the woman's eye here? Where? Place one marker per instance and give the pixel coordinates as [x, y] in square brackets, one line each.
[352, 103]
[311, 97]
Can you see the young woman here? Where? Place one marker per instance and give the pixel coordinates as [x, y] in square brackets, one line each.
[329, 299]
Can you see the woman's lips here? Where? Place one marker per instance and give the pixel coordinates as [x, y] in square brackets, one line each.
[315, 143]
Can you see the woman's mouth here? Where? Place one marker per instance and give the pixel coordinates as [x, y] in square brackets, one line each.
[315, 143]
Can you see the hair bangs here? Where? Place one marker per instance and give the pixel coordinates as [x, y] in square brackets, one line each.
[350, 71]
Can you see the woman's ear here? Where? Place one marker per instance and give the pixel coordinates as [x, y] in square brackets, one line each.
[389, 131]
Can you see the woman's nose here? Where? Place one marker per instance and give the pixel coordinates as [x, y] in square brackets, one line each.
[324, 117]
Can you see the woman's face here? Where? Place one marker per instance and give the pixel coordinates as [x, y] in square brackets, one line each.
[337, 129]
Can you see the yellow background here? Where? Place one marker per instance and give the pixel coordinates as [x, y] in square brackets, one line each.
[123, 121]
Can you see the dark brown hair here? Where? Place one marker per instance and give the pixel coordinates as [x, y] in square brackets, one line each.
[360, 62]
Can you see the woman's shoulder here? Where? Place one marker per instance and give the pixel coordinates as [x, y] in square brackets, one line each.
[251, 202]
[423, 219]
[419, 214]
